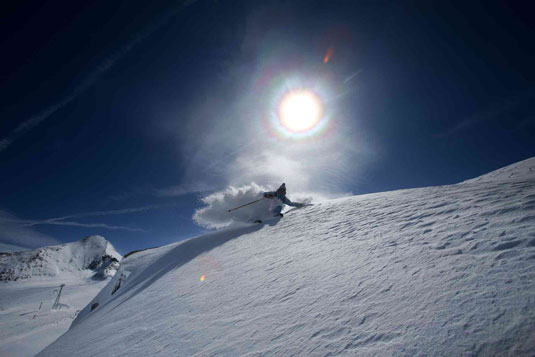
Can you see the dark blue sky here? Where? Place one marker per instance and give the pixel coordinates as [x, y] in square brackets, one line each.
[119, 113]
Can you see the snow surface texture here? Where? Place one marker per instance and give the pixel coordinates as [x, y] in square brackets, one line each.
[523, 170]
[31, 282]
[433, 271]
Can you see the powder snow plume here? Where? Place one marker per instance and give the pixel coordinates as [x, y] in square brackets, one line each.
[215, 214]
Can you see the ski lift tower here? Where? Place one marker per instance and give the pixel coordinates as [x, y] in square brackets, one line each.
[56, 303]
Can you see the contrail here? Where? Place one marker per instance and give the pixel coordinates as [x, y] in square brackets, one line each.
[110, 212]
[91, 225]
[353, 75]
[103, 67]
[61, 221]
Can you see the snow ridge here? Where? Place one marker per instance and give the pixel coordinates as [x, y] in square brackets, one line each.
[523, 170]
[91, 257]
[445, 270]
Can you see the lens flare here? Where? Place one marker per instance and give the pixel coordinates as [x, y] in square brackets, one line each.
[202, 277]
[328, 55]
[300, 111]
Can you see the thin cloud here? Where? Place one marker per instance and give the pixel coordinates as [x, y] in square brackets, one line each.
[88, 225]
[61, 221]
[4, 143]
[5, 247]
[183, 189]
[460, 126]
[111, 212]
[497, 109]
[103, 67]
[353, 75]
[16, 235]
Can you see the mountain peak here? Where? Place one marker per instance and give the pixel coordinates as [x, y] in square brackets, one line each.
[96, 238]
[92, 257]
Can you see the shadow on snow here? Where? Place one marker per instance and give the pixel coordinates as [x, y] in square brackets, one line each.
[182, 254]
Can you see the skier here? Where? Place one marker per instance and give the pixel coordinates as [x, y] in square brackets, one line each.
[280, 195]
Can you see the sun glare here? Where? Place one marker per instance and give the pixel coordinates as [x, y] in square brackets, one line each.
[300, 111]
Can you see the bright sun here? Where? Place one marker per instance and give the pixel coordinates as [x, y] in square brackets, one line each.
[300, 111]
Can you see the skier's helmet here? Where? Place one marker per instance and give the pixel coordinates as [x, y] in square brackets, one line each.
[282, 189]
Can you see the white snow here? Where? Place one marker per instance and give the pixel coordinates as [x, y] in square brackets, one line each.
[24, 328]
[29, 285]
[523, 170]
[65, 261]
[443, 270]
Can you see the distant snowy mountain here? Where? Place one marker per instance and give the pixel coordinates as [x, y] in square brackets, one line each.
[31, 285]
[93, 257]
[443, 270]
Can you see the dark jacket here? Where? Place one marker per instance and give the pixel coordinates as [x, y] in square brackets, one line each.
[280, 197]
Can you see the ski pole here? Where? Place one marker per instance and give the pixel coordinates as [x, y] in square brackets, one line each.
[247, 204]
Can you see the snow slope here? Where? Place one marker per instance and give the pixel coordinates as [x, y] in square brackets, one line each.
[443, 270]
[30, 284]
[523, 170]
